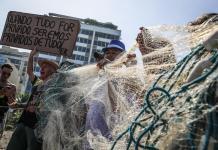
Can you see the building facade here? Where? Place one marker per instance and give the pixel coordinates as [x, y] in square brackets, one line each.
[19, 63]
[93, 36]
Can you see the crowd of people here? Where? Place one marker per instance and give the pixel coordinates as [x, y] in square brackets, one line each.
[27, 135]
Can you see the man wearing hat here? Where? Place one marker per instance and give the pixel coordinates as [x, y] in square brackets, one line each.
[113, 49]
[23, 137]
[7, 93]
[96, 115]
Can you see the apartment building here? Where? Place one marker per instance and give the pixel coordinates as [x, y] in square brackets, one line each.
[93, 36]
[19, 63]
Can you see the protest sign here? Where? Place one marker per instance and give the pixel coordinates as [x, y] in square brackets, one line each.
[49, 34]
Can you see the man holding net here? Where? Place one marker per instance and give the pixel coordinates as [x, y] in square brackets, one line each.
[23, 137]
[7, 93]
[96, 115]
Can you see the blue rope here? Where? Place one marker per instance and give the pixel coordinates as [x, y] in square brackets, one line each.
[184, 61]
[165, 95]
[208, 131]
[146, 130]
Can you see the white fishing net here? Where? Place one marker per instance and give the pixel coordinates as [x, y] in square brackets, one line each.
[121, 87]
[164, 119]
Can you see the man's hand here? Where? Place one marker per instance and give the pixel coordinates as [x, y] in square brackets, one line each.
[30, 65]
[131, 56]
[33, 52]
[2, 93]
[102, 62]
[10, 91]
[212, 42]
[31, 107]
[11, 100]
[13, 105]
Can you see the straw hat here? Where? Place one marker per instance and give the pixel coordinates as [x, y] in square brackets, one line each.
[51, 63]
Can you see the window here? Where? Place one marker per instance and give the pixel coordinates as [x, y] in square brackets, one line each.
[86, 32]
[107, 36]
[116, 37]
[87, 50]
[103, 44]
[93, 50]
[100, 43]
[37, 69]
[15, 61]
[75, 48]
[89, 41]
[82, 58]
[82, 49]
[92, 60]
[86, 58]
[24, 69]
[73, 57]
[77, 57]
[79, 48]
[83, 40]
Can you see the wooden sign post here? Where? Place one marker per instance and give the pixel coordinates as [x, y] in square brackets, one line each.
[49, 34]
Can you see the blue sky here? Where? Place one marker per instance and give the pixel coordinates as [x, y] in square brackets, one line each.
[129, 15]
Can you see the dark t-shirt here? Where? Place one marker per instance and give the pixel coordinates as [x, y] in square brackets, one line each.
[29, 118]
[3, 102]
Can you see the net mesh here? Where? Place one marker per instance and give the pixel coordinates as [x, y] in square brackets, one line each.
[148, 103]
[169, 115]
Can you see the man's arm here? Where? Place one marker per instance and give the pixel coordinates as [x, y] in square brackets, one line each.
[10, 92]
[30, 65]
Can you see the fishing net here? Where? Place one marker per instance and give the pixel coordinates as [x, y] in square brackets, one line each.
[149, 104]
[167, 114]
[65, 104]
[176, 114]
